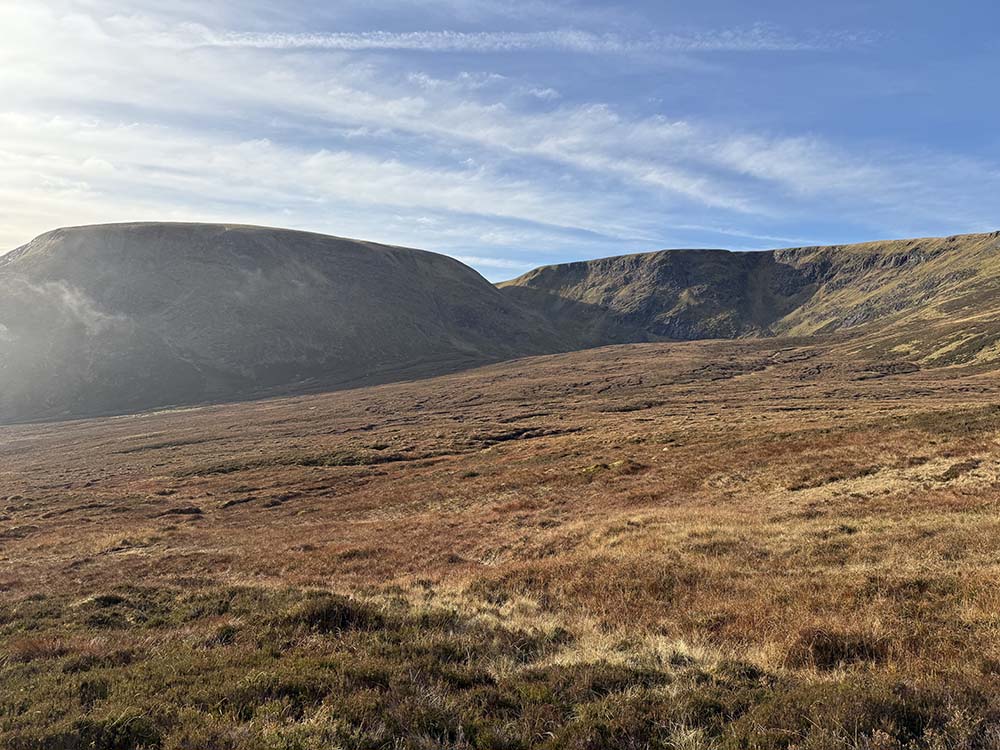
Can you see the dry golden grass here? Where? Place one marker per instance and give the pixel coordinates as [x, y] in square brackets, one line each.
[769, 502]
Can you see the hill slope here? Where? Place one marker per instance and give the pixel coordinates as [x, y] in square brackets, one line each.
[932, 299]
[121, 317]
[673, 294]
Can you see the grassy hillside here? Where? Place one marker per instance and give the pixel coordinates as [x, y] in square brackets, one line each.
[127, 317]
[124, 318]
[931, 300]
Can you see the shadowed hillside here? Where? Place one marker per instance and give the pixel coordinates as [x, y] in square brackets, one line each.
[128, 317]
[933, 299]
[121, 317]
[676, 294]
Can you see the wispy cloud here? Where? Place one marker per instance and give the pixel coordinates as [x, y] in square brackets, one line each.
[54, 157]
[756, 38]
[109, 116]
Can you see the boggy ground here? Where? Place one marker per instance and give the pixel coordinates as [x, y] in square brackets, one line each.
[759, 544]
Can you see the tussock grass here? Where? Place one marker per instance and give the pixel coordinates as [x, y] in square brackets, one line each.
[260, 668]
[786, 557]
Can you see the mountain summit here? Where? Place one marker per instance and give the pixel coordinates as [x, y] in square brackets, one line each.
[114, 318]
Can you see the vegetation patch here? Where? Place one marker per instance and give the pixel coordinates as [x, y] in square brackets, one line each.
[632, 406]
[834, 474]
[957, 422]
[958, 469]
[335, 458]
[828, 649]
[248, 668]
[621, 467]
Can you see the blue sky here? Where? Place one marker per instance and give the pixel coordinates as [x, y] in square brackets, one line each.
[505, 133]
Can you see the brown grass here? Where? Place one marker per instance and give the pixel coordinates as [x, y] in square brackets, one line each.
[789, 516]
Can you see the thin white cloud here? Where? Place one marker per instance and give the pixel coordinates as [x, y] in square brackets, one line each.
[546, 93]
[98, 124]
[70, 161]
[756, 38]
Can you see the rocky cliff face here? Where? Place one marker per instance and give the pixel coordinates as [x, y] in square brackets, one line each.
[679, 294]
[695, 294]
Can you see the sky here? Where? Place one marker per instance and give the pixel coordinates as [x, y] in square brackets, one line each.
[505, 133]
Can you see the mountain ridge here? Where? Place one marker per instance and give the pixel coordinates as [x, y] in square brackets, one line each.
[100, 319]
[692, 294]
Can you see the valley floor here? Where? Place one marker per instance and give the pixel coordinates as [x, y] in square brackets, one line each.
[717, 544]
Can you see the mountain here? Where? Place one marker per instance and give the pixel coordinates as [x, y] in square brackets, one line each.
[934, 300]
[115, 318]
[671, 294]
[128, 317]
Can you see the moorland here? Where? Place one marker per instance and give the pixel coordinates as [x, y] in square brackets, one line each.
[759, 543]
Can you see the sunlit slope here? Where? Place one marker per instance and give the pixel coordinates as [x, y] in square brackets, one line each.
[932, 299]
